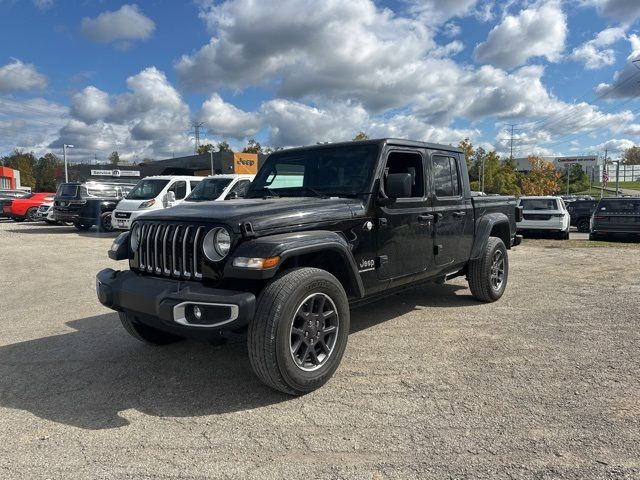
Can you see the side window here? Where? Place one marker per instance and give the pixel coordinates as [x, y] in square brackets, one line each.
[180, 189]
[446, 179]
[241, 187]
[411, 163]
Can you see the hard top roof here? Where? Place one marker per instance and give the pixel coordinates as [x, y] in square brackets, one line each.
[400, 142]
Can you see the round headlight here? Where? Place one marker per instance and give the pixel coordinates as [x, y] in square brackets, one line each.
[217, 243]
[135, 237]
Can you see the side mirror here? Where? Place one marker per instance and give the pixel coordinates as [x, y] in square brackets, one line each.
[398, 185]
[171, 197]
[232, 196]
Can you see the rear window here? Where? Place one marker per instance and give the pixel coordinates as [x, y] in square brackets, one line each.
[620, 205]
[539, 204]
[67, 190]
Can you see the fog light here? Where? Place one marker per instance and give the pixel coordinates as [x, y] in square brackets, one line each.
[197, 312]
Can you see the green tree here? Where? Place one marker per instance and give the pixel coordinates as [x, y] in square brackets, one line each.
[252, 147]
[223, 147]
[114, 158]
[360, 136]
[206, 148]
[45, 172]
[578, 179]
[25, 163]
[631, 156]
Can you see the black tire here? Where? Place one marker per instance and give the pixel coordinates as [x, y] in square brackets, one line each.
[272, 352]
[583, 225]
[146, 334]
[83, 226]
[564, 235]
[481, 272]
[32, 214]
[105, 224]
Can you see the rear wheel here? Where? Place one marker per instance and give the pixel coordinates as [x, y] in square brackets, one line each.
[583, 225]
[32, 214]
[144, 333]
[488, 275]
[299, 333]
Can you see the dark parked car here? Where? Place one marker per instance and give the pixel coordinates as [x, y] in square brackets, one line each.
[88, 204]
[616, 217]
[322, 228]
[581, 211]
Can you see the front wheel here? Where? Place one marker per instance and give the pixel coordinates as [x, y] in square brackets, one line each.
[105, 222]
[488, 275]
[583, 225]
[299, 332]
[144, 333]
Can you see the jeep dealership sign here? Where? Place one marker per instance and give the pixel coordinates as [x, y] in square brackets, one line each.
[115, 173]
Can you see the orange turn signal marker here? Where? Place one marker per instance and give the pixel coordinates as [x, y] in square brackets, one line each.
[270, 262]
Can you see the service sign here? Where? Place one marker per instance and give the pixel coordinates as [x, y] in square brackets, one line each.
[115, 173]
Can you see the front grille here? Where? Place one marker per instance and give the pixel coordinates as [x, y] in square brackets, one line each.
[170, 250]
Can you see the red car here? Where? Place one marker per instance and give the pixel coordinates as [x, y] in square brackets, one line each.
[25, 208]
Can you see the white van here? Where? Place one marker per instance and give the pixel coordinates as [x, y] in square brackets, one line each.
[220, 187]
[152, 193]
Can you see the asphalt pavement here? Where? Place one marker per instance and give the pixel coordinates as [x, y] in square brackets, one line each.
[543, 384]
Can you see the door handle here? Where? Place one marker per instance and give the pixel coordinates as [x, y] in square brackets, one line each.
[425, 218]
[459, 214]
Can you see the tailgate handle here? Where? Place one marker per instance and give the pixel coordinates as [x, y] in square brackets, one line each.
[459, 214]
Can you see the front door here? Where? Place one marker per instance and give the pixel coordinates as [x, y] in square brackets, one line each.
[405, 228]
[453, 212]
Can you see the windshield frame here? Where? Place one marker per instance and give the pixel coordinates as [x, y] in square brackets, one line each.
[368, 152]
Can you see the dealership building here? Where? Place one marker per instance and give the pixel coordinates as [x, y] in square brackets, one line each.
[9, 179]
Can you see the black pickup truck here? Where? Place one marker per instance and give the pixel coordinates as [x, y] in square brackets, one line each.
[321, 229]
[88, 204]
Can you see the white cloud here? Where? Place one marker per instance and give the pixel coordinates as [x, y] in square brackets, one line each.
[121, 26]
[538, 31]
[594, 53]
[625, 82]
[17, 75]
[225, 119]
[623, 10]
[90, 105]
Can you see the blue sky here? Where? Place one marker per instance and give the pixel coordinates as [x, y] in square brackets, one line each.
[107, 75]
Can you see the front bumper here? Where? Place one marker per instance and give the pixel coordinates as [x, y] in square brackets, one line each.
[167, 304]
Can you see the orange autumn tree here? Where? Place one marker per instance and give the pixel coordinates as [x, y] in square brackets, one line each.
[542, 179]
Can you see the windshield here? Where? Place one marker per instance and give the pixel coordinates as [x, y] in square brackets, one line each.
[105, 190]
[539, 204]
[208, 189]
[341, 170]
[147, 189]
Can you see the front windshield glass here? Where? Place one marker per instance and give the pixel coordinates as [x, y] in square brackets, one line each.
[343, 170]
[208, 189]
[147, 189]
[105, 190]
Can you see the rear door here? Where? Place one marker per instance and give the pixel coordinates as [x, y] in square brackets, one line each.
[453, 210]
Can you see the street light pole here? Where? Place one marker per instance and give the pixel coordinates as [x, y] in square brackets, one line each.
[64, 154]
[568, 175]
[211, 156]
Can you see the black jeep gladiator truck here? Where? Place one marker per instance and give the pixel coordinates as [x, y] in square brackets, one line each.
[88, 204]
[321, 229]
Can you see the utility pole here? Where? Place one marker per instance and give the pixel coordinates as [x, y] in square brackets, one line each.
[512, 125]
[196, 129]
[605, 173]
[568, 175]
[211, 156]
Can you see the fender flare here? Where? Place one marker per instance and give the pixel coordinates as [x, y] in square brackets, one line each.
[483, 231]
[291, 245]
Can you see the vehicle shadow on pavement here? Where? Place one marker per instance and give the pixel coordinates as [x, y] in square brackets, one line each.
[89, 378]
[66, 229]
[429, 295]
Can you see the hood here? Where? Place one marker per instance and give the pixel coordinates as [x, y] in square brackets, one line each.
[264, 214]
[132, 205]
